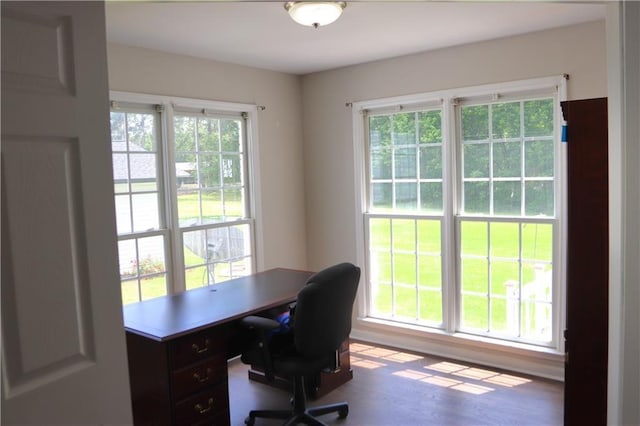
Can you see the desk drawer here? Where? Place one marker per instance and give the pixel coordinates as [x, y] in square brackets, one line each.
[197, 377]
[206, 407]
[196, 347]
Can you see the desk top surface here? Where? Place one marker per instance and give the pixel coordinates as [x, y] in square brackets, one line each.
[168, 317]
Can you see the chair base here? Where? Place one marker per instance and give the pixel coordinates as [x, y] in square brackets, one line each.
[293, 417]
[300, 413]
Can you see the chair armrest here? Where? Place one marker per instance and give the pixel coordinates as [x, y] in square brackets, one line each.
[261, 323]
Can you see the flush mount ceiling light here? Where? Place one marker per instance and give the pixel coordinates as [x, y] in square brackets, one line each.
[315, 13]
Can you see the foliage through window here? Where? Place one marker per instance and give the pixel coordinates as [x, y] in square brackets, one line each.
[462, 216]
[186, 225]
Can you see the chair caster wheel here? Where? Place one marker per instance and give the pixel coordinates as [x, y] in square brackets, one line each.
[343, 413]
[249, 421]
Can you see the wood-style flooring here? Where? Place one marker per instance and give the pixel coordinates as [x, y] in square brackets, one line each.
[394, 387]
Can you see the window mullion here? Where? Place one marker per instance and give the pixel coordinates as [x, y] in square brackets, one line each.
[176, 272]
[450, 188]
[417, 266]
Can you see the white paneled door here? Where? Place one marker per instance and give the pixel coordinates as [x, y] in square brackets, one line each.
[63, 346]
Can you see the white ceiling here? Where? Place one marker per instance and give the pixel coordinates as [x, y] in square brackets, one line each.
[261, 34]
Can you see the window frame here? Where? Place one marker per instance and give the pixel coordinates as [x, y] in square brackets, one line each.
[452, 178]
[169, 107]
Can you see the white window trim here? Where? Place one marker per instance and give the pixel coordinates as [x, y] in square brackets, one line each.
[531, 359]
[253, 169]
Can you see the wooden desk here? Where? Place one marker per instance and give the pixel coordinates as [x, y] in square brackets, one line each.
[178, 346]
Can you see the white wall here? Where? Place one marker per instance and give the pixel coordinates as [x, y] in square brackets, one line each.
[140, 70]
[579, 51]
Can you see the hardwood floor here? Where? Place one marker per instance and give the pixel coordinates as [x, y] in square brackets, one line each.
[394, 387]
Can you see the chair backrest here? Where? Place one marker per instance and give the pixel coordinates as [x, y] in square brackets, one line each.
[323, 310]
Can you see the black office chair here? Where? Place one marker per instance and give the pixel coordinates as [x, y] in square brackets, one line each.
[321, 322]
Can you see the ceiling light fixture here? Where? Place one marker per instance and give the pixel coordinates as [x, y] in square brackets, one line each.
[315, 13]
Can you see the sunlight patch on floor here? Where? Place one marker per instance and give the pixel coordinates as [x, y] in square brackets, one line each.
[387, 354]
[445, 374]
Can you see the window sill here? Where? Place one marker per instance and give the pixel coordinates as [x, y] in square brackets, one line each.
[523, 358]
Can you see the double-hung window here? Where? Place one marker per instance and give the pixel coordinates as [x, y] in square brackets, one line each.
[462, 211]
[182, 195]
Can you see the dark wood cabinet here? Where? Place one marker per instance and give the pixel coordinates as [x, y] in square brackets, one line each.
[180, 382]
[586, 337]
[319, 384]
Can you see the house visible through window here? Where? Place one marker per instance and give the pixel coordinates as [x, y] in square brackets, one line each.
[182, 197]
[463, 211]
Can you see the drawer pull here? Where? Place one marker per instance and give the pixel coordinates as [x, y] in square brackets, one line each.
[197, 348]
[201, 409]
[201, 379]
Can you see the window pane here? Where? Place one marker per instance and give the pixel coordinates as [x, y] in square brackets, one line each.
[117, 128]
[123, 214]
[430, 306]
[208, 135]
[381, 267]
[503, 274]
[406, 196]
[474, 313]
[404, 129]
[539, 198]
[505, 240]
[233, 204]
[476, 160]
[381, 298]
[130, 293]
[405, 302]
[429, 237]
[431, 197]
[475, 123]
[232, 169]
[231, 137]
[120, 173]
[405, 163]
[537, 242]
[505, 120]
[143, 172]
[476, 197]
[127, 259]
[145, 212]
[506, 159]
[143, 271]
[208, 170]
[430, 272]
[430, 126]
[212, 210]
[431, 162]
[475, 275]
[538, 118]
[507, 198]
[151, 255]
[539, 158]
[153, 286]
[404, 235]
[381, 164]
[499, 318]
[474, 239]
[536, 320]
[184, 134]
[379, 234]
[382, 195]
[141, 132]
[380, 131]
[223, 253]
